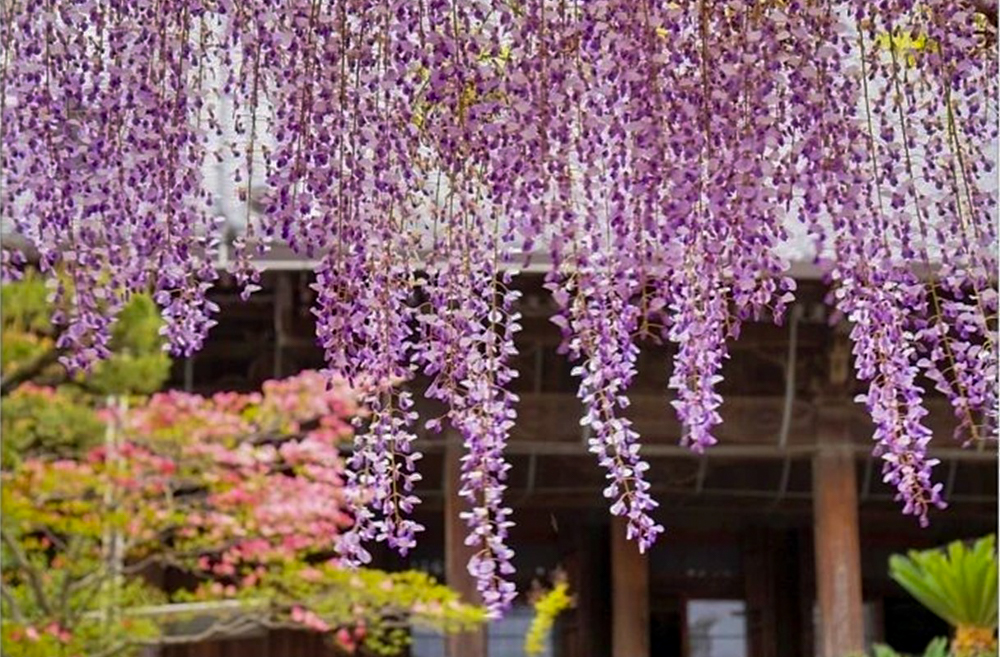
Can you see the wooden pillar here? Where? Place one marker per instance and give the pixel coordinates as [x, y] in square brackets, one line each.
[838, 553]
[629, 595]
[456, 556]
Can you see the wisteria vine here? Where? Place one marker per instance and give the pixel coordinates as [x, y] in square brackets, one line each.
[663, 156]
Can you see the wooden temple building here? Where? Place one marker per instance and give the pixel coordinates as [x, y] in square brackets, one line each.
[777, 540]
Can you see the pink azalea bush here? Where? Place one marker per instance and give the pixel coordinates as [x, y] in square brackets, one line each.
[243, 494]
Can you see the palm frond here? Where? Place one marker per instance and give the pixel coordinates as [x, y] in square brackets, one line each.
[957, 583]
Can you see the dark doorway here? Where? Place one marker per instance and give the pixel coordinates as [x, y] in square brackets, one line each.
[666, 630]
[909, 626]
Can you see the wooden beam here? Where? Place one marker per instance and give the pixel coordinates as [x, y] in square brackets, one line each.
[524, 447]
[837, 541]
[456, 555]
[629, 595]
[753, 422]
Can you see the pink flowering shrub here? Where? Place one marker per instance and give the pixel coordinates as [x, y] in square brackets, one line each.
[241, 493]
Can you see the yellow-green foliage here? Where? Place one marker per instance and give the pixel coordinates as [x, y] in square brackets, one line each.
[958, 583]
[60, 420]
[27, 331]
[547, 609]
[906, 44]
[56, 423]
[137, 365]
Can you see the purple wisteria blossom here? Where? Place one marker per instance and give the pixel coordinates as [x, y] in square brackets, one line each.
[467, 350]
[662, 155]
[884, 346]
[381, 477]
[601, 321]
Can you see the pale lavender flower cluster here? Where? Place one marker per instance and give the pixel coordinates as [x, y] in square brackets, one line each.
[102, 104]
[884, 354]
[699, 316]
[484, 414]
[882, 221]
[948, 222]
[467, 351]
[372, 353]
[961, 358]
[601, 321]
[381, 476]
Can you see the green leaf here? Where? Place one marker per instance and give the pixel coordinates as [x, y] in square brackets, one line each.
[958, 583]
[937, 647]
[882, 650]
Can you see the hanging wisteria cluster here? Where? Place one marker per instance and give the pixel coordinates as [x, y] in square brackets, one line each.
[660, 155]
